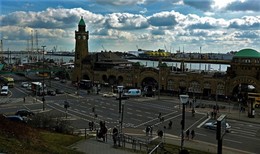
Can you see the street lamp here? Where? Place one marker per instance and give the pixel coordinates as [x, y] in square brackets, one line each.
[120, 90]
[43, 92]
[184, 99]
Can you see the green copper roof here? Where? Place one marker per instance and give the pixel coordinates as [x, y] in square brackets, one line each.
[81, 22]
[247, 53]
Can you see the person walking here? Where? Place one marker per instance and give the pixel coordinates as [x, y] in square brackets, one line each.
[115, 133]
[188, 134]
[170, 124]
[192, 134]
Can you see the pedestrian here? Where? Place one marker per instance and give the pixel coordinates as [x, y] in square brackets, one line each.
[188, 134]
[147, 130]
[115, 133]
[151, 130]
[192, 134]
[170, 124]
[24, 99]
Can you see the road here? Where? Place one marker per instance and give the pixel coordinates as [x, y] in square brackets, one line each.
[138, 113]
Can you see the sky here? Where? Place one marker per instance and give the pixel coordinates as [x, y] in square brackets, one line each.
[206, 26]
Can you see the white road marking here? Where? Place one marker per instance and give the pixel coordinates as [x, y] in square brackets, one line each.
[154, 119]
[139, 115]
[129, 112]
[111, 109]
[232, 141]
[203, 122]
[136, 120]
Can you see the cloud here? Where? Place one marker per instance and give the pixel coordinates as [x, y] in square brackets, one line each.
[204, 5]
[157, 32]
[248, 34]
[246, 22]
[120, 2]
[247, 5]
[125, 21]
[164, 19]
[50, 18]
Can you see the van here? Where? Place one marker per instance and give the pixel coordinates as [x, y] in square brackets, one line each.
[4, 90]
[133, 92]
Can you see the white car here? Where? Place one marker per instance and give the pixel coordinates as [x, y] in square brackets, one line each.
[24, 84]
[109, 94]
[213, 125]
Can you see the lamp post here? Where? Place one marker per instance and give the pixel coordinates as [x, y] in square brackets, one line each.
[43, 92]
[184, 99]
[120, 90]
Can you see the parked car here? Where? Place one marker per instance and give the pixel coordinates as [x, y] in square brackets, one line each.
[24, 113]
[109, 94]
[59, 91]
[51, 92]
[213, 125]
[15, 118]
[63, 81]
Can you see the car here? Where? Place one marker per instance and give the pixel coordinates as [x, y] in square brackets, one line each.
[213, 125]
[24, 84]
[59, 91]
[15, 118]
[63, 81]
[29, 87]
[57, 78]
[109, 94]
[51, 92]
[24, 113]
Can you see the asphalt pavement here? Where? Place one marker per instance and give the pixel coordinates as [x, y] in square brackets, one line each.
[95, 146]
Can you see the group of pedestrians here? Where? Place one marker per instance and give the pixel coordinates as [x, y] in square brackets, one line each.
[188, 133]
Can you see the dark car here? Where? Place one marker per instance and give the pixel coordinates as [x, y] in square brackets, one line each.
[15, 118]
[24, 113]
[59, 91]
[51, 92]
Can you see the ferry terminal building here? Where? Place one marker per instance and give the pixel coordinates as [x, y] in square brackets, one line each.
[107, 67]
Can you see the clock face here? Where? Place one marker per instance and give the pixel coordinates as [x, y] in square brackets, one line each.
[79, 37]
[84, 37]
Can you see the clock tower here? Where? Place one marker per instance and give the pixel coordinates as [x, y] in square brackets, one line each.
[81, 49]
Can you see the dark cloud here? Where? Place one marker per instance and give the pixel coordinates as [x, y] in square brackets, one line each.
[249, 5]
[157, 32]
[204, 5]
[162, 20]
[247, 34]
[201, 26]
[244, 26]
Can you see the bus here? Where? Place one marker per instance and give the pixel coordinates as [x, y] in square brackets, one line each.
[8, 81]
[85, 84]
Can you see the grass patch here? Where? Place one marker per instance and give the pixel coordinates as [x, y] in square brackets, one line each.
[46, 143]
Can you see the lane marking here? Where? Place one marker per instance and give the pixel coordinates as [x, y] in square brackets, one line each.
[203, 122]
[232, 141]
[155, 119]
